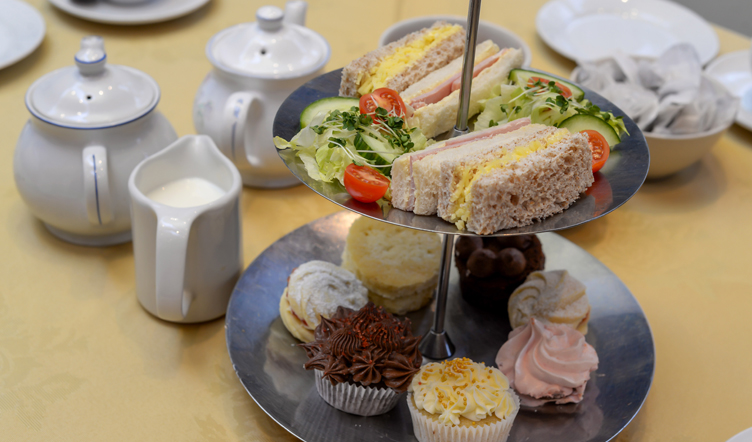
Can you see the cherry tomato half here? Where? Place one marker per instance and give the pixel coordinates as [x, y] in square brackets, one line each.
[599, 147]
[385, 98]
[364, 183]
[565, 91]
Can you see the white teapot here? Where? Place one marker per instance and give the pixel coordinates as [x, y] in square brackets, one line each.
[91, 125]
[256, 66]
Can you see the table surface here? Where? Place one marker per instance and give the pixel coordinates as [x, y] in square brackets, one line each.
[80, 360]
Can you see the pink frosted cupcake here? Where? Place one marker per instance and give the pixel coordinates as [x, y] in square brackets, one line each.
[547, 363]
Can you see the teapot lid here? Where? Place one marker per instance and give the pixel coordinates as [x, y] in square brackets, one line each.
[271, 47]
[92, 94]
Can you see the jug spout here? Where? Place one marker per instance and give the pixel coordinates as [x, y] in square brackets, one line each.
[295, 12]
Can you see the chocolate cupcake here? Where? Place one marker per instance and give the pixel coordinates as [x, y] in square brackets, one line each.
[364, 360]
[492, 268]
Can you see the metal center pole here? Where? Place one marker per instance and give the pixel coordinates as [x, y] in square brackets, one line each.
[473, 16]
[436, 343]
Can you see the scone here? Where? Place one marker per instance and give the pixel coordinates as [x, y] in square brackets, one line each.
[316, 289]
[553, 296]
[461, 400]
[399, 266]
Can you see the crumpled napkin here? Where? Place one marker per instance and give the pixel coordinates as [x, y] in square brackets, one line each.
[666, 96]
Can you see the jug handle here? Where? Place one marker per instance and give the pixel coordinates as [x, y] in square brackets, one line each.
[235, 118]
[171, 252]
[97, 185]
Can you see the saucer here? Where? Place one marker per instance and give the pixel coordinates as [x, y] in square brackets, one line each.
[150, 11]
[744, 436]
[22, 30]
[734, 71]
[584, 30]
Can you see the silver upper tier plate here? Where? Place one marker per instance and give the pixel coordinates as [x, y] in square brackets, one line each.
[270, 364]
[616, 183]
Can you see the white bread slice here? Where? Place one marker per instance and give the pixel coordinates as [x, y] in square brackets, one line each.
[541, 184]
[456, 173]
[440, 117]
[435, 78]
[426, 173]
[435, 57]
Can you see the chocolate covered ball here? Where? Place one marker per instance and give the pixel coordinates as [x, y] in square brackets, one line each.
[481, 263]
[466, 245]
[510, 262]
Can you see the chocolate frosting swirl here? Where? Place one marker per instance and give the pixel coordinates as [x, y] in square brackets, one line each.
[370, 347]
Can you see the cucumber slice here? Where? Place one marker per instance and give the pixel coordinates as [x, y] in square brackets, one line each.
[326, 105]
[578, 123]
[521, 78]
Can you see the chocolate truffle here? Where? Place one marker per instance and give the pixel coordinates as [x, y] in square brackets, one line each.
[492, 268]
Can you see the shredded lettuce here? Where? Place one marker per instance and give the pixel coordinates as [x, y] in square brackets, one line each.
[542, 102]
[336, 139]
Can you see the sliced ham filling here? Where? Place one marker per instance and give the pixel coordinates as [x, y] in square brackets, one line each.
[451, 84]
[459, 141]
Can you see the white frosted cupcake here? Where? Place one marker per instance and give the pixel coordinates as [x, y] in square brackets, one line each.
[461, 401]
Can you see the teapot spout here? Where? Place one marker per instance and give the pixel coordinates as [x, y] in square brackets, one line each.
[295, 12]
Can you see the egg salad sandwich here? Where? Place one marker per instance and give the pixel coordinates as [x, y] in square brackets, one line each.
[506, 180]
[416, 175]
[405, 61]
[436, 97]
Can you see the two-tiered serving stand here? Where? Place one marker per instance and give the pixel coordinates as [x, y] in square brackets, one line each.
[269, 364]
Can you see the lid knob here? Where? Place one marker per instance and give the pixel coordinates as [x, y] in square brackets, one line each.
[269, 18]
[92, 57]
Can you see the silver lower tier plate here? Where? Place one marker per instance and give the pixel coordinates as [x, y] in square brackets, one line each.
[614, 185]
[270, 364]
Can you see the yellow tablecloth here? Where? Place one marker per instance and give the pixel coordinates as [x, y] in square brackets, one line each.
[80, 360]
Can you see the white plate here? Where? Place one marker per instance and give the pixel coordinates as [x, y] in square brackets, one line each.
[734, 71]
[593, 29]
[150, 11]
[744, 436]
[22, 29]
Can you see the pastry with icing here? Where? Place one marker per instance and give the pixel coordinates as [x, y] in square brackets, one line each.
[461, 400]
[553, 296]
[315, 290]
[547, 362]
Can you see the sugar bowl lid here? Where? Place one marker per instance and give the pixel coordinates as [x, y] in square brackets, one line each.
[270, 48]
[92, 94]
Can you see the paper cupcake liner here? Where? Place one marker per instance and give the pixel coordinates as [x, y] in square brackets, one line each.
[430, 430]
[356, 399]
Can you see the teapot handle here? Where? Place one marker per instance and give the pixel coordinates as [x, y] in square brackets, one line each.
[236, 121]
[173, 231]
[97, 185]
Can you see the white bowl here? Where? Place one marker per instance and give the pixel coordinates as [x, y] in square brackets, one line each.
[671, 153]
[486, 30]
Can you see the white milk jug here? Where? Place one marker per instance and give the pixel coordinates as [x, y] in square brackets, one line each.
[185, 209]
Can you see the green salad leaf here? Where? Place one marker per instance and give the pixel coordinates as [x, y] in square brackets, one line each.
[542, 102]
[334, 140]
